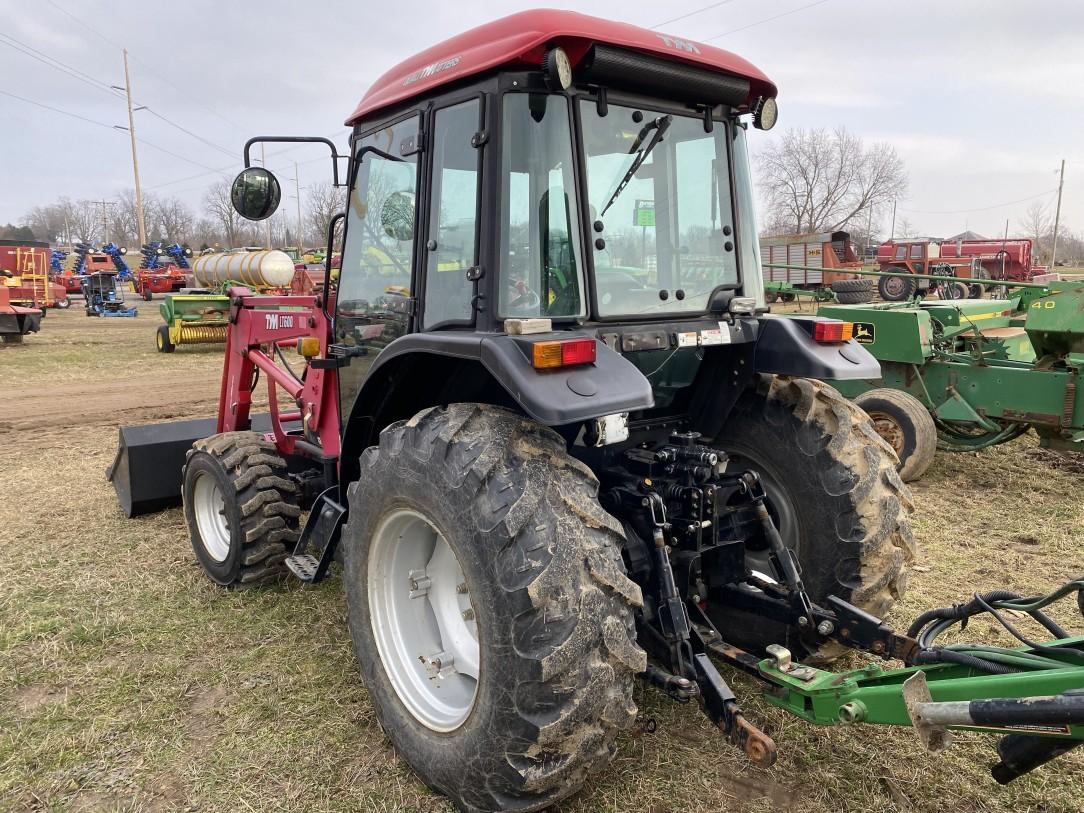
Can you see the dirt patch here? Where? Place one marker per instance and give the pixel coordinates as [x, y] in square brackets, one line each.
[29, 698]
[1071, 462]
[202, 724]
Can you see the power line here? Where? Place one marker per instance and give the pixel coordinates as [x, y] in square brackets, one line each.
[86, 78]
[57, 110]
[45, 59]
[150, 144]
[174, 124]
[691, 13]
[766, 20]
[980, 208]
[150, 69]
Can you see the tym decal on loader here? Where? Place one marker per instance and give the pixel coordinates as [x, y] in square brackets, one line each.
[557, 455]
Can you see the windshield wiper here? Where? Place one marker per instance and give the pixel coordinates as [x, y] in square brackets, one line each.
[660, 126]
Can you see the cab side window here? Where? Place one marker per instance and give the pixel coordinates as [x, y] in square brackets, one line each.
[453, 216]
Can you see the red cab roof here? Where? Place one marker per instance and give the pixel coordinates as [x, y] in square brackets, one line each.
[521, 40]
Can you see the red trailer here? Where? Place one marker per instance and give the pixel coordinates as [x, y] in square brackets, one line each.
[1001, 259]
[24, 272]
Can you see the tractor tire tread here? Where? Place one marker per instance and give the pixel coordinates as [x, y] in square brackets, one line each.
[573, 636]
[857, 473]
[266, 500]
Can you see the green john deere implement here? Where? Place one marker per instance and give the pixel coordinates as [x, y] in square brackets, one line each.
[194, 318]
[962, 375]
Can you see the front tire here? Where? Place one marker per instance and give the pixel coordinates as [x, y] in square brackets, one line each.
[549, 605]
[64, 304]
[834, 493]
[241, 508]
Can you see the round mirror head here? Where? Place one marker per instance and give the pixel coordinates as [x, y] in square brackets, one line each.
[255, 193]
[397, 216]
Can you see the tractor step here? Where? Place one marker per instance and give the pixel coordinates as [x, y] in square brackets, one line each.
[303, 565]
[320, 535]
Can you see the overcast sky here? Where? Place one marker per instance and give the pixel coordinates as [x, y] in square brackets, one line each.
[981, 98]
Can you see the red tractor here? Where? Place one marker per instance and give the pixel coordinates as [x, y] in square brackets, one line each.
[549, 470]
[924, 256]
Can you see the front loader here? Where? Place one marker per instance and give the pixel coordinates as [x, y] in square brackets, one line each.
[557, 453]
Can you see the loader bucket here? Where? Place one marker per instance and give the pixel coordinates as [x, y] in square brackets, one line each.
[146, 472]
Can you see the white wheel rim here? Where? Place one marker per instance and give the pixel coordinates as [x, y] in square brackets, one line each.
[210, 511]
[422, 620]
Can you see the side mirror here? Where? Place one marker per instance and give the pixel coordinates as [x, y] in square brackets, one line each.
[397, 216]
[255, 193]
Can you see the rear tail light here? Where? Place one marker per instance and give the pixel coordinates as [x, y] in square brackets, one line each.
[549, 355]
[831, 332]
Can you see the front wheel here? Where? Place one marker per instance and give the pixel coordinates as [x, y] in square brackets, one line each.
[489, 607]
[64, 304]
[241, 508]
[833, 491]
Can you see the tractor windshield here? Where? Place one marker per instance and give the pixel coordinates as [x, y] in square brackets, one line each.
[661, 213]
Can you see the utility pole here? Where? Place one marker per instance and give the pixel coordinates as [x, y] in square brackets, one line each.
[135, 156]
[869, 233]
[105, 220]
[297, 190]
[892, 235]
[1057, 216]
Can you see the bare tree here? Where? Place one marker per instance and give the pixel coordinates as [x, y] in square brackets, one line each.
[218, 207]
[1038, 225]
[814, 180]
[174, 219]
[905, 228]
[324, 200]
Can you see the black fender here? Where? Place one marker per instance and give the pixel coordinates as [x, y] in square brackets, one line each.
[785, 346]
[421, 370]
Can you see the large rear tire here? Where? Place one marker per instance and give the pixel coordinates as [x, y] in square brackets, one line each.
[241, 508]
[835, 495]
[549, 648]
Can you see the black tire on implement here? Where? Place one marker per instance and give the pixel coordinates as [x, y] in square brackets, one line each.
[834, 492]
[162, 340]
[259, 501]
[854, 291]
[554, 608]
[896, 288]
[906, 425]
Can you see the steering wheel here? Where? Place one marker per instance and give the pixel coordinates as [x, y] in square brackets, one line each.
[525, 300]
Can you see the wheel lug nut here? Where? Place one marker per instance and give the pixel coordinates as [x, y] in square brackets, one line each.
[468, 615]
[461, 588]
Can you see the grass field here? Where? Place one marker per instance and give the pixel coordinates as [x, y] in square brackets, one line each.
[129, 683]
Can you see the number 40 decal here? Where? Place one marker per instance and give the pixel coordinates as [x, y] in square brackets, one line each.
[1044, 303]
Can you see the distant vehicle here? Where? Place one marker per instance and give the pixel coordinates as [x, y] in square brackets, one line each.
[831, 255]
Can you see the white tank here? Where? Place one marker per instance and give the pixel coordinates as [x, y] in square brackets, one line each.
[258, 269]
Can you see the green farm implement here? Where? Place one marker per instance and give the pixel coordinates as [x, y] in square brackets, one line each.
[962, 375]
[196, 318]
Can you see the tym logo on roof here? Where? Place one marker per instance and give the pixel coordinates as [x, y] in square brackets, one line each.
[681, 45]
[429, 70]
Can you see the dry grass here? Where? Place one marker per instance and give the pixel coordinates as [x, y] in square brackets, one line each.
[128, 682]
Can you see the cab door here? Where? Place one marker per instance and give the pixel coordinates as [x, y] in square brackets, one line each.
[375, 299]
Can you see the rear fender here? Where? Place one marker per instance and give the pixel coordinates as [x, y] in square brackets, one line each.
[785, 346]
[422, 370]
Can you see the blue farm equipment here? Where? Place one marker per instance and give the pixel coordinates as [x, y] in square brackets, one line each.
[103, 297]
[116, 254]
[180, 255]
[56, 262]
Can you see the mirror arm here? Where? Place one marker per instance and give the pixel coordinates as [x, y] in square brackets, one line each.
[297, 140]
